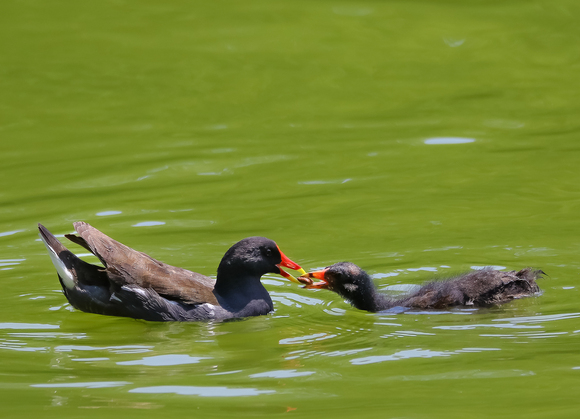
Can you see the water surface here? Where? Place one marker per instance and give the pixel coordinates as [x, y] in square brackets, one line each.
[416, 139]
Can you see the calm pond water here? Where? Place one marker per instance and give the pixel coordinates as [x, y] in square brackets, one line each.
[416, 139]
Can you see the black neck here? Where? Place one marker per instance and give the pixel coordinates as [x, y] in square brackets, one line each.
[235, 289]
[370, 300]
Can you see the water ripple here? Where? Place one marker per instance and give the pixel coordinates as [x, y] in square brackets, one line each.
[20, 326]
[304, 354]
[449, 140]
[335, 311]
[541, 318]
[407, 354]
[9, 233]
[149, 224]
[324, 182]
[282, 374]
[225, 372]
[93, 384]
[406, 334]
[542, 335]
[424, 268]
[291, 299]
[462, 375]
[202, 391]
[498, 326]
[10, 262]
[128, 349]
[415, 353]
[384, 275]
[345, 352]
[107, 213]
[165, 360]
[19, 346]
[307, 338]
[50, 335]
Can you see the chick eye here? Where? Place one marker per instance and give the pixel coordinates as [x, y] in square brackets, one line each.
[268, 252]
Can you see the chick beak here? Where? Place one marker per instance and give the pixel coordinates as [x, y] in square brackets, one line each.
[307, 280]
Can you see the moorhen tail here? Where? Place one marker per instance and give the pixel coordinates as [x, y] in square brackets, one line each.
[484, 287]
[133, 284]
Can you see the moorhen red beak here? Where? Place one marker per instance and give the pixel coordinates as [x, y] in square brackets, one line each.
[287, 263]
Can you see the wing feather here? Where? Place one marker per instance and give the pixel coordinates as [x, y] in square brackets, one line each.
[127, 266]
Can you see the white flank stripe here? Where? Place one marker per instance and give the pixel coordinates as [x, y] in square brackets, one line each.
[63, 272]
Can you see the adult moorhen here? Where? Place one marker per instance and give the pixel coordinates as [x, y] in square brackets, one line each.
[133, 284]
[478, 288]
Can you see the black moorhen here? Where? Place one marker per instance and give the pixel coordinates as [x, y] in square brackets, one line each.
[478, 288]
[133, 284]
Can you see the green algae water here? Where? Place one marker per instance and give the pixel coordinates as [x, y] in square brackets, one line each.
[416, 139]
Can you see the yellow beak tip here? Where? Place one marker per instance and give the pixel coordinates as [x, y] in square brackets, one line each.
[293, 279]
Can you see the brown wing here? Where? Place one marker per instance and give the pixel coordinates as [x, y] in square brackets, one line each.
[128, 266]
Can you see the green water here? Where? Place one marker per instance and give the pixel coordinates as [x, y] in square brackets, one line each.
[179, 128]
